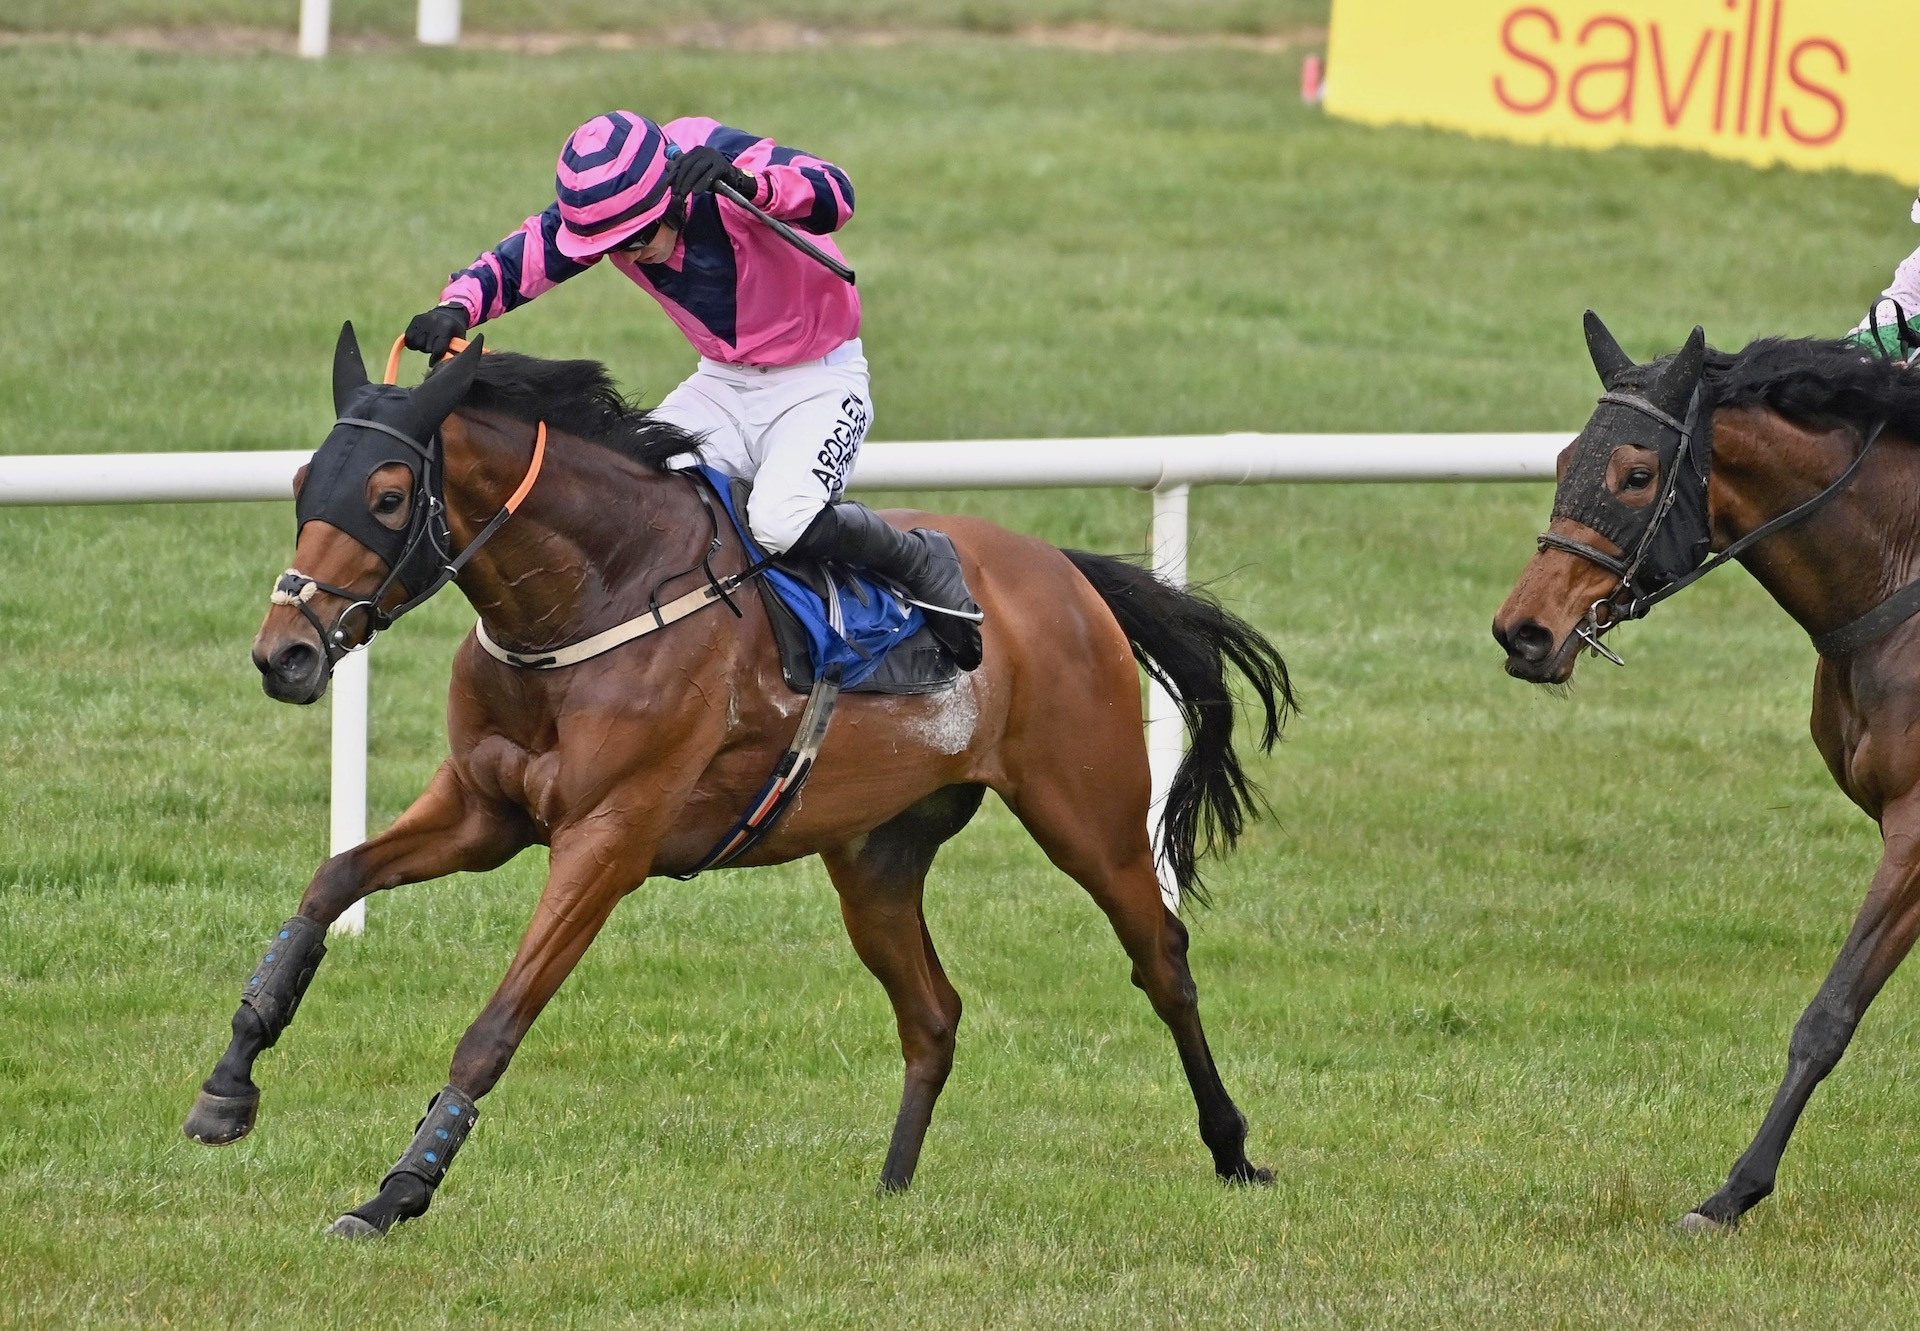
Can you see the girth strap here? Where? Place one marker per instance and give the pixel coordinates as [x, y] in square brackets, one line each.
[783, 787]
[790, 774]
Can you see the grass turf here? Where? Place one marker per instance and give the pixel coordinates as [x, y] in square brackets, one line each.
[1503, 985]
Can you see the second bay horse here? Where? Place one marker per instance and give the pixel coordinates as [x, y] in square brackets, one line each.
[1797, 458]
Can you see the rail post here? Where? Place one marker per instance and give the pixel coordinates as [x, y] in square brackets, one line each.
[438, 23]
[1166, 736]
[349, 802]
[315, 18]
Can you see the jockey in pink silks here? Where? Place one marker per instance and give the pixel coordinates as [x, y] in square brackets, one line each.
[781, 395]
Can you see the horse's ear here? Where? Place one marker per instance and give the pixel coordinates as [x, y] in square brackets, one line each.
[349, 371]
[1608, 358]
[1683, 374]
[440, 392]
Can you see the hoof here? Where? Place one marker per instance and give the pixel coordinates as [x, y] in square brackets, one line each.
[351, 1226]
[1695, 1222]
[1247, 1176]
[217, 1120]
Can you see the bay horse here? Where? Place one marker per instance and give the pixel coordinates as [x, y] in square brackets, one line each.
[1794, 457]
[634, 762]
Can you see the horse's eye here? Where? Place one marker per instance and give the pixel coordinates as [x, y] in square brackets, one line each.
[1639, 479]
[390, 502]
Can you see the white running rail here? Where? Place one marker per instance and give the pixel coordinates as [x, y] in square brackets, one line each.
[437, 23]
[1168, 465]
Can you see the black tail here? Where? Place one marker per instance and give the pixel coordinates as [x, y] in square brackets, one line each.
[1185, 640]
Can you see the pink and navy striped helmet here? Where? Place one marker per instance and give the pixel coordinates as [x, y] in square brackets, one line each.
[611, 182]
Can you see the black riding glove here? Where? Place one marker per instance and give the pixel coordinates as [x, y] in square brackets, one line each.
[698, 170]
[433, 331]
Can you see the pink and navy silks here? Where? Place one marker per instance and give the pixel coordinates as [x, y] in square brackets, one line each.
[740, 293]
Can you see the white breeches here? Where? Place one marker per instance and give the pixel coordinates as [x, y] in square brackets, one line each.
[793, 430]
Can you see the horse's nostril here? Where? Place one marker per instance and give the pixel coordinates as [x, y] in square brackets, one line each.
[295, 660]
[1530, 640]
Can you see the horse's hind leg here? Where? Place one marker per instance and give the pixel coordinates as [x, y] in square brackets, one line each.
[1091, 819]
[446, 830]
[879, 878]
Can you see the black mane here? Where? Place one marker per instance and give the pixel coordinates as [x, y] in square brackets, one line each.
[1821, 382]
[578, 397]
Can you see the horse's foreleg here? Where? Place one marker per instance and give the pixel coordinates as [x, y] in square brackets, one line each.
[880, 881]
[1882, 934]
[591, 870]
[447, 829]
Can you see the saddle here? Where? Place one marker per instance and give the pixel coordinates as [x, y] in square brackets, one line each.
[872, 640]
[912, 663]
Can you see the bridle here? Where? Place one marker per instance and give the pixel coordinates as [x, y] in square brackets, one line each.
[425, 556]
[1629, 599]
[1691, 442]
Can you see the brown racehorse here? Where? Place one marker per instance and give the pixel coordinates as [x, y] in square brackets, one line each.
[1801, 456]
[635, 762]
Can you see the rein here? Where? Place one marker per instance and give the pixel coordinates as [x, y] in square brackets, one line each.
[1796, 514]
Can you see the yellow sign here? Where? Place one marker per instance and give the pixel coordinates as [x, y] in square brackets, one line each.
[1813, 83]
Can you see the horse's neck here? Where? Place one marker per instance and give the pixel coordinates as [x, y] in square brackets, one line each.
[1845, 558]
[594, 536]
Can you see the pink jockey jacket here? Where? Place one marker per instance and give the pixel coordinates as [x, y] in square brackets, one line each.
[740, 293]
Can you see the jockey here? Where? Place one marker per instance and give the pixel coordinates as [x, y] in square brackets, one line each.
[1881, 331]
[781, 395]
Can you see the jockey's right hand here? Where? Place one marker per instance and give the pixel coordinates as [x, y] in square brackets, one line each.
[435, 330]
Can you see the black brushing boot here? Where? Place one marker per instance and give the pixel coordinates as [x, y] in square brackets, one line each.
[922, 561]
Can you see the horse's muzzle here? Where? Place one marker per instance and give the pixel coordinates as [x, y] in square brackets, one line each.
[1530, 652]
[294, 672]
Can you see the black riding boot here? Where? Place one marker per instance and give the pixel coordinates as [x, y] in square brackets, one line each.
[923, 562]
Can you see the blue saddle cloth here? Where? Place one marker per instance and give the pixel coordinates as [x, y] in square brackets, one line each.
[873, 618]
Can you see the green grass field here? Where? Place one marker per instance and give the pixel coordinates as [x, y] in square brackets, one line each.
[1503, 984]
